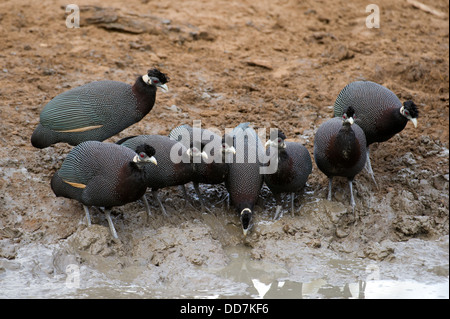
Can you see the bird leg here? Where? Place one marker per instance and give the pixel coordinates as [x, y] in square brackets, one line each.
[292, 203]
[352, 200]
[225, 197]
[279, 206]
[200, 198]
[156, 195]
[185, 195]
[277, 212]
[110, 222]
[147, 208]
[330, 180]
[88, 216]
[369, 170]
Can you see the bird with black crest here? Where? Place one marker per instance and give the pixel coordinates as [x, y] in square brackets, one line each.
[380, 113]
[211, 167]
[174, 163]
[245, 179]
[340, 149]
[294, 165]
[97, 110]
[103, 175]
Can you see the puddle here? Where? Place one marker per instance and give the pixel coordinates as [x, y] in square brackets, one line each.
[32, 274]
[266, 280]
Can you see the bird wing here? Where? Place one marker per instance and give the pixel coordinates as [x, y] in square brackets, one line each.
[182, 134]
[241, 127]
[83, 108]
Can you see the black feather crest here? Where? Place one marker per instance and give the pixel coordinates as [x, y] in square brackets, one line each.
[163, 78]
[350, 111]
[412, 109]
[147, 149]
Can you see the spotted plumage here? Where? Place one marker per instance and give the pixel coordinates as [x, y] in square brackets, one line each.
[210, 167]
[244, 179]
[174, 166]
[97, 110]
[103, 175]
[340, 149]
[379, 112]
[294, 165]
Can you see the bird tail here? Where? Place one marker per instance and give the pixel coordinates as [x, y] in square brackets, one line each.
[42, 137]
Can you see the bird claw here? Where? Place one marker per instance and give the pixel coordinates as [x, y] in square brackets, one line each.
[277, 213]
[203, 208]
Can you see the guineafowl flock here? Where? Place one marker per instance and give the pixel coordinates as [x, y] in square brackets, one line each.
[105, 175]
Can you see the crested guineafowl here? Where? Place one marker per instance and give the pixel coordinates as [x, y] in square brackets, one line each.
[244, 179]
[103, 175]
[174, 165]
[379, 112]
[211, 167]
[340, 149]
[294, 165]
[97, 110]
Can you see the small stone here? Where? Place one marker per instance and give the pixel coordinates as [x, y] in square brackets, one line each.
[340, 233]
[377, 251]
[260, 63]
[206, 96]
[440, 182]
[315, 243]
[7, 250]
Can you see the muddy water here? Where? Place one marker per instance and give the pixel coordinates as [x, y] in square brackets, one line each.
[50, 271]
[321, 252]
[244, 68]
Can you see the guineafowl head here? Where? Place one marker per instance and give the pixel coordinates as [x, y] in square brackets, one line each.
[227, 145]
[156, 78]
[348, 116]
[195, 153]
[145, 154]
[246, 218]
[410, 111]
[278, 142]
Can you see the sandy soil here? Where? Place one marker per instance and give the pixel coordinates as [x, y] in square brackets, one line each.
[273, 63]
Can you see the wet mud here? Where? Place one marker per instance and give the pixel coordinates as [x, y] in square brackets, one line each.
[275, 64]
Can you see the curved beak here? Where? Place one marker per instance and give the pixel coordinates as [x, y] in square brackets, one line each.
[230, 149]
[414, 121]
[204, 155]
[163, 87]
[245, 231]
[153, 160]
[270, 143]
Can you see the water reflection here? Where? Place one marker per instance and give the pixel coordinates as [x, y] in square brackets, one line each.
[267, 280]
[31, 275]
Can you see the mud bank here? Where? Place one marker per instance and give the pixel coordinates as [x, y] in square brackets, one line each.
[275, 64]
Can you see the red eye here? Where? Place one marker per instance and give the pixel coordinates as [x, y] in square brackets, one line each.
[155, 81]
[142, 155]
[344, 116]
[406, 113]
[279, 140]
